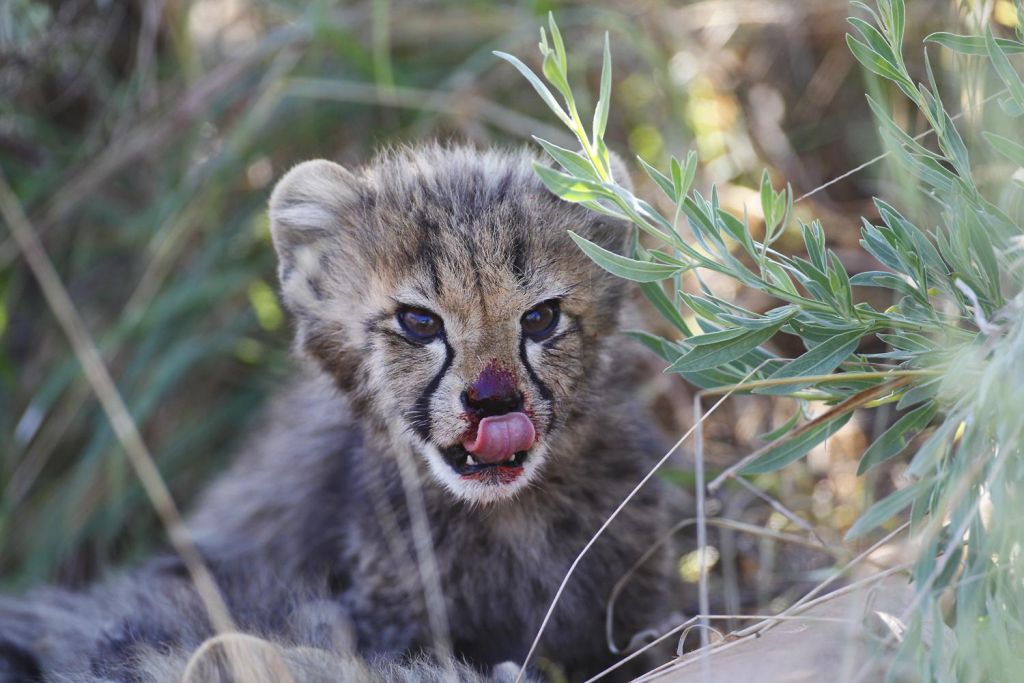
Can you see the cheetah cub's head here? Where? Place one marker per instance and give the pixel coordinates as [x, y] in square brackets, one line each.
[440, 289]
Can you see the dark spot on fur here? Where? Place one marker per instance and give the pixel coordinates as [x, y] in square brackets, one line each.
[428, 254]
[567, 526]
[170, 566]
[339, 581]
[18, 665]
[502, 188]
[519, 258]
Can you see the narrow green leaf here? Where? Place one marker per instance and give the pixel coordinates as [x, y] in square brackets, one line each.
[894, 439]
[573, 162]
[716, 348]
[839, 283]
[604, 101]
[876, 42]
[668, 351]
[897, 22]
[656, 295]
[887, 508]
[737, 229]
[570, 188]
[556, 77]
[875, 63]
[767, 204]
[779, 277]
[659, 178]
[1010, 107]
[556, 39]
[880, 278]
[793, 449]
[932, 452]
[1007, 74]
[704, 307]
[538, 85]
[784, 428]
[972, 45]
[1008, 148]
[899, 135]
[820, 360]
[682, 176]
[623, 266]
[814, 242]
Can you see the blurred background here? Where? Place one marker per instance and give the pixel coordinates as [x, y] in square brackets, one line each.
[143, 138]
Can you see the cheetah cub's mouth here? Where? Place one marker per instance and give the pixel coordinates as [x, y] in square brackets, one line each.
[495, 450]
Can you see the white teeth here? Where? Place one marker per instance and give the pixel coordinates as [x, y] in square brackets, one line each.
[470, 461]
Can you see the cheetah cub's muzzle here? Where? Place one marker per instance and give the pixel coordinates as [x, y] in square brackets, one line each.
[497, 442]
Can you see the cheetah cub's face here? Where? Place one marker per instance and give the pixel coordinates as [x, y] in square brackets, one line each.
[440, 289]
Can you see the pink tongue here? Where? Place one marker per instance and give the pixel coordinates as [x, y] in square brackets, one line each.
[501, 437]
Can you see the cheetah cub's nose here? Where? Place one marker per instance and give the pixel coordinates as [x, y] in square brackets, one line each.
[503, 429]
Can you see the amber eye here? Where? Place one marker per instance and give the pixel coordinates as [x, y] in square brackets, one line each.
[420, 325]
[541, 320]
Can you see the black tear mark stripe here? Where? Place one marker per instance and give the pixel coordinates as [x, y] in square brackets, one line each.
[421, 422]
[542, 388]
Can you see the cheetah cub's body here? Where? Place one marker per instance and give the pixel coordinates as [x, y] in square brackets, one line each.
[461, 381]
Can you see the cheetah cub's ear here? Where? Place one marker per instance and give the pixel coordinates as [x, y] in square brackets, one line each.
[311, 216]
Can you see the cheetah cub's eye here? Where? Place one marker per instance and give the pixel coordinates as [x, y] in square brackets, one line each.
[540, 321]
[420, 325]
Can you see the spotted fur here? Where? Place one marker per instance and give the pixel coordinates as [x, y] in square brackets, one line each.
[311, 536]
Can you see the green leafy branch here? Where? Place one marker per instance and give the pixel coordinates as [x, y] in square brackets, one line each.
[947, 284]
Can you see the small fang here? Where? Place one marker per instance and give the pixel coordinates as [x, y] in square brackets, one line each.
[470, 461]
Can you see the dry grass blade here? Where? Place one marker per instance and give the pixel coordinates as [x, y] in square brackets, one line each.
[426, 561]
[255, 660]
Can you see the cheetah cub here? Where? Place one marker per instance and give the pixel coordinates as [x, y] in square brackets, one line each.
[461, 424]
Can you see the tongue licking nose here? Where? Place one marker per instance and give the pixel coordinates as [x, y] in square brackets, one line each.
[500, 437]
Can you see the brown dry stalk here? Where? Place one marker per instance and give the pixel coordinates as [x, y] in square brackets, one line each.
[99, 378]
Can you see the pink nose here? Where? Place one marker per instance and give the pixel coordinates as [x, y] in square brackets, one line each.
[500, 437]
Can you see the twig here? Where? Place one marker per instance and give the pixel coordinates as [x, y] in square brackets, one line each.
[781, 509]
